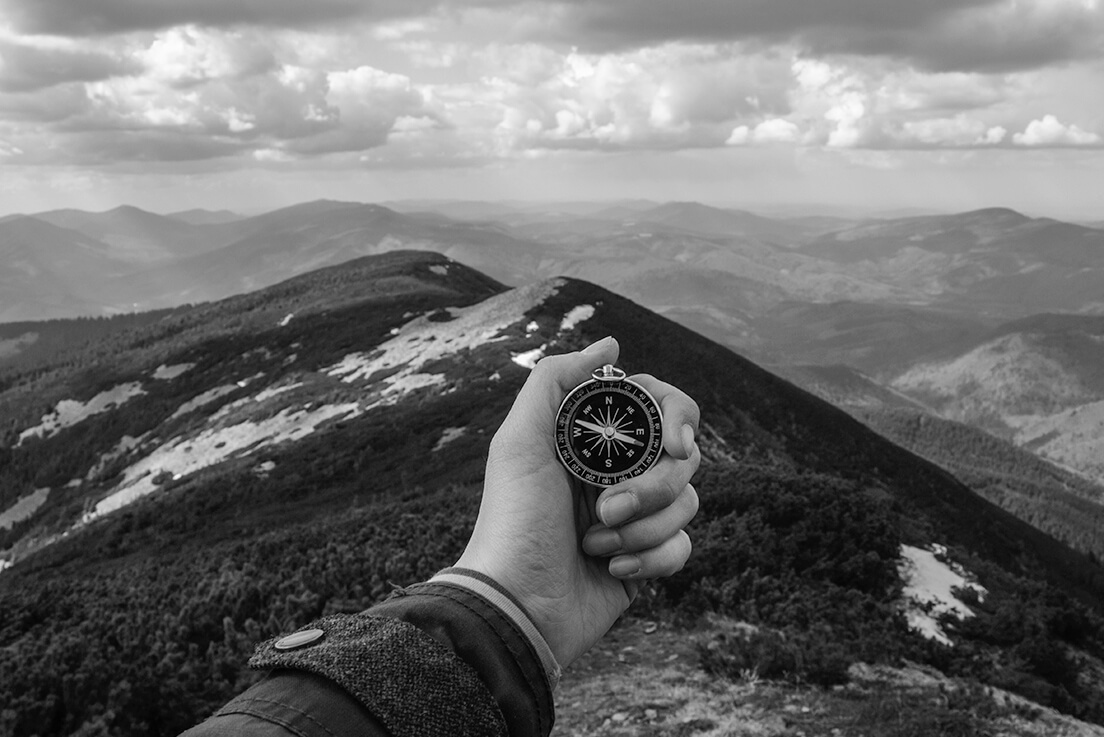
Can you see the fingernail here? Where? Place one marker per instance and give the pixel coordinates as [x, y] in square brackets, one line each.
[602, 542]
[624, 565]
[617, 509]
[688, 440]
[596, 345]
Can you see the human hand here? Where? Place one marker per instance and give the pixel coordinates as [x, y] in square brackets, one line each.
[545, 536]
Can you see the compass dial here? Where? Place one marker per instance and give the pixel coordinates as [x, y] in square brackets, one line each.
[609, 429]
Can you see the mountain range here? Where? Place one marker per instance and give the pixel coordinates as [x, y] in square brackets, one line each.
[181, 488]
[892, 298]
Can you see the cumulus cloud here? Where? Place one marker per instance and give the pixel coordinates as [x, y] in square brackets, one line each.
[191, 93]
[681, 95]
[368, 103]
[411, 82]
[853, 103]
[1049, 131]
[187, 55]
[775, 130]
[836, 101]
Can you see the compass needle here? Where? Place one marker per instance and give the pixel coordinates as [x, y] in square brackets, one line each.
[608, 429]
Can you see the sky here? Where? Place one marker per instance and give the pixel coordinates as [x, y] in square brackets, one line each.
[254, 104]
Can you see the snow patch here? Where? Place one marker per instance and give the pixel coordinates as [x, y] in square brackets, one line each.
[275, 391]
[287, 319]
[529, 359]
[168, 373]
[396, 362]
[576, 316]
[449, 434]
[532, 327]
[262, 470]
[182, 456]
[929, 590]
[23, 508]
[69, 411]
[203, 399]
[438, 269]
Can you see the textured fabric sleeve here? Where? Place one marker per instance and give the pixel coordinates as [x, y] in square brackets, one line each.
[407, 680]
[434, 659]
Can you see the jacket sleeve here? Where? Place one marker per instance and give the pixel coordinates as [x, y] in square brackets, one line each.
[453, 656]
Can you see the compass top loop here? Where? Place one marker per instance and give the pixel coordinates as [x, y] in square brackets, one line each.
[609, 372]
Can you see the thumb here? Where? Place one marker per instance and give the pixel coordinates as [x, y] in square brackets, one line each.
[564, 372]
[545, 389]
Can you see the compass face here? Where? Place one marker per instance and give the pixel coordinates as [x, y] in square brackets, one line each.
[609, 431]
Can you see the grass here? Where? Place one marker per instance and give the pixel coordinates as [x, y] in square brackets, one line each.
[636, 684]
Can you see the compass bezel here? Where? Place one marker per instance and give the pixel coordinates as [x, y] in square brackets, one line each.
[587, 469]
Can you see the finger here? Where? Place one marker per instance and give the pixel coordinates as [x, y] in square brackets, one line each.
[644, 533]
[665, 559]
[681, 415]
[648, 493]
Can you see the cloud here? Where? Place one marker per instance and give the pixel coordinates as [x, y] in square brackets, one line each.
[26, 68]
[775, 130]
[836, 102]
[987, 37]
[959, 131]
[616, 24]
[854, 102]
[187, 55]
[937, 35]
[197, 94]
[104, 17]
[1050, 132]
[680, 95]
[368, 103]
[52, 105]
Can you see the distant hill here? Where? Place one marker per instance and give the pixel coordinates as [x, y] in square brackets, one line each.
[1038, 382]
[847, 388]
[205, 217]
[239, 467]
[994, 261]
[135, 236]
[878, 339]
[697, 217]
[51, 271]
[1061, 503]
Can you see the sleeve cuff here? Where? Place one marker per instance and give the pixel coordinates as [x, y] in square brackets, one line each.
[493, 593]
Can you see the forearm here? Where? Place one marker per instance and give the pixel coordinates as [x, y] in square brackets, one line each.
[454, 655]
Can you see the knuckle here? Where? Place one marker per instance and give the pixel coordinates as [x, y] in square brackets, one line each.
[546, 366]
[670, 490]
[692, 501]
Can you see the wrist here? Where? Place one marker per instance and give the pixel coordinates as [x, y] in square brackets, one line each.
[502, 599]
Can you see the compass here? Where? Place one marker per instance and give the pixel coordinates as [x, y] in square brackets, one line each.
[609, 429]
